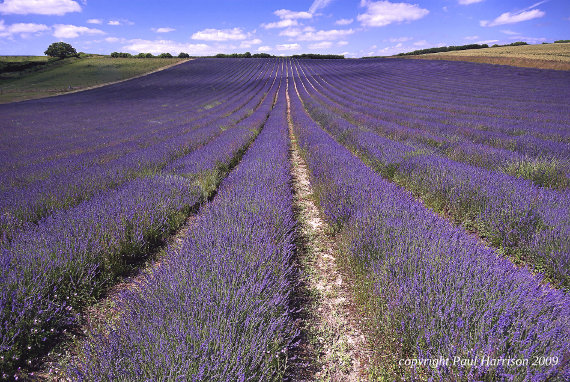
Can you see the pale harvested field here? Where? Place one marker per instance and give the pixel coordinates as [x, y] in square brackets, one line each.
[542, 56]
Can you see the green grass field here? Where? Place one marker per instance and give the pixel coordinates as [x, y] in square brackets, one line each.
[73, 74]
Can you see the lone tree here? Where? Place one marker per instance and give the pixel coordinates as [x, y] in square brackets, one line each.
[61, 50]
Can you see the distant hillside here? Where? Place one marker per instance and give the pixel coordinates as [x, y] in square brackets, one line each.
[543, 56]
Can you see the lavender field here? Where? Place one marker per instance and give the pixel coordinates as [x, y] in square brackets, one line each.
[444, 186]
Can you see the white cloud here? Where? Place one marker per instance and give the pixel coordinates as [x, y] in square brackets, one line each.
[382, 13]
[319, 4]
[22, 29]
[281, 24]
[310, 34]
[114, 22]
[509, 32]
[249, 43]
[95, 21]
[287, 46]
[344, 21]
[419, 43]
[264, 48]
[400, 39]
[487, 42]
[286, 14]
[516, 17]
[471, 38]
[467, 2]
[342, 43]
[43, 7]
[220, 35]
[530, 40]
[321, 45]
[73, 31]
[163, 30]
[166, 46]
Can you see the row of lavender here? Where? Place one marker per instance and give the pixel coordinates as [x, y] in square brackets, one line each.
[52, 269]
[437, 293]
[534, 146]
[528, 222]
[217, 308]
[91, 174]
[471, 102]
[42, 143]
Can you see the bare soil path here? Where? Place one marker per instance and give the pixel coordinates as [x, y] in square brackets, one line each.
[332, 348]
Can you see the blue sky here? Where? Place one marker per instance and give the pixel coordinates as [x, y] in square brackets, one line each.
[352, 27]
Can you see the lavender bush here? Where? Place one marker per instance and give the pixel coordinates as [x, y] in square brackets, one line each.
[437, 291]
[217, 309]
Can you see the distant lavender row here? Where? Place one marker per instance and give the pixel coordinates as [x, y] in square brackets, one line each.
[545, 162]
[436, 291]
[413, 88]
[50, 270]
[217, 307]
[529, 222]
[33, 125]
[120, 139]
[66, 189]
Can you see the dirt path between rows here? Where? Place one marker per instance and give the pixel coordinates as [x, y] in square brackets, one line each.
[332, 347]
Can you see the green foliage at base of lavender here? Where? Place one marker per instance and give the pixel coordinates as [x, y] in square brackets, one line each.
[545, 172]
[444, 49]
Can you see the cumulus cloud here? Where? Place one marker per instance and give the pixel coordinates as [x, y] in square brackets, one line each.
[488, 42]
[288, 15]
[321, 45]
[288, 46]
[166, 46]
[512, 18]
[95, 21]
[516, 17]
[22, 29]
[163, 30]
[280, 24]
[400, 39]
[382, 13]
[73, 31]
[264, 48]
[120, 22]
[319, 4]
[249, 43]
[220, 35]
[43, 7]
[310, 34]
[344, 21]
[467, 2]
